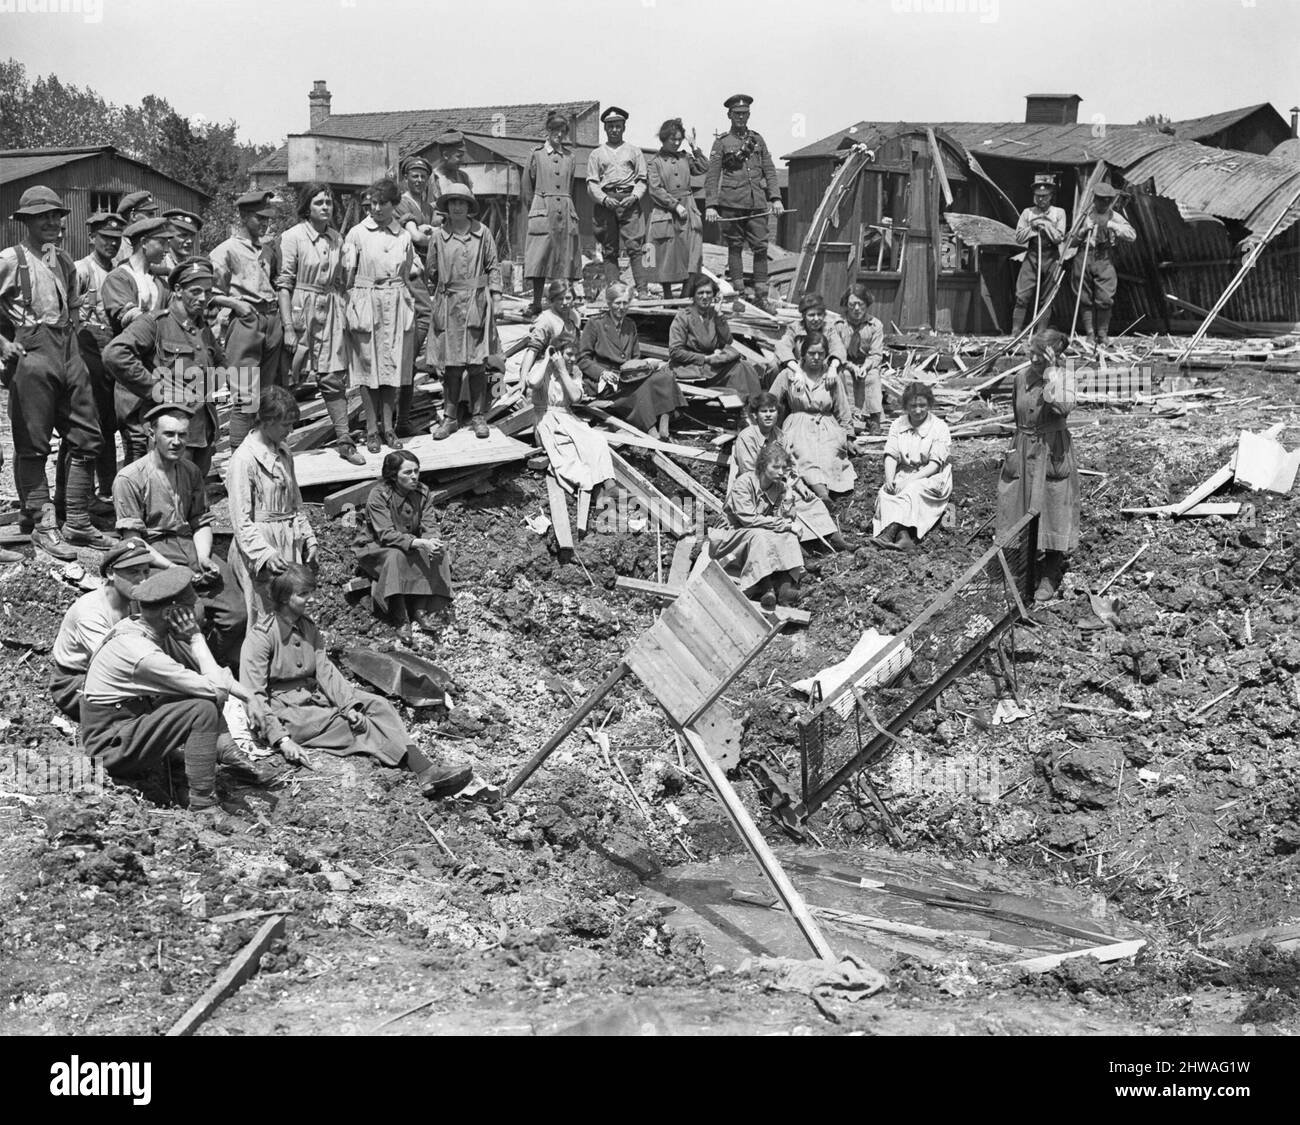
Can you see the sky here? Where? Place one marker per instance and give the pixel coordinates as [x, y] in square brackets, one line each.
[813, 66]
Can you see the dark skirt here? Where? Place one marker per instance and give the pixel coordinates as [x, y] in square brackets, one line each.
[739, 375]
[411, 574]
[642, 403]
[315, 723]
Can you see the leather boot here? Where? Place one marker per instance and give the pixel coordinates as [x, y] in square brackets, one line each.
[451, 383]
[77, 529]
[478, 400]
[1089, 334]
[442, 781]
[640, 275]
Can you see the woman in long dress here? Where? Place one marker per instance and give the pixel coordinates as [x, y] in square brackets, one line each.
[398, 548]
[814, 521]
[863, 338]
[553, 248]
[643, 391]
[760, 539]
[271, 529]
[313, 305]
[380, 311]
[918, 474]
[579, 456]
[700, 347]
[305, 702]
[818, 420]
[1039, 470]
[676, 229]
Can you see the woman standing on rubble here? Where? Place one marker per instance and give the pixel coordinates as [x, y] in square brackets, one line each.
[761, 538]
[553, 248]
[676, 228]
[818, 420]
[398, 549]
[700, 348]
[643, 391]
[1039, 470]
[307, 703]
[918, 476]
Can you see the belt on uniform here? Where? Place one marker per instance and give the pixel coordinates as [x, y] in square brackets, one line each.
[554, 194]
[312, 287]
[308, 682]
[626, 189]
[378, 283]
[469, 285]
[274, 517]
[1042, 431]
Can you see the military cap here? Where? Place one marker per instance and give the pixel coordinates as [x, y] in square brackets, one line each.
[188, 269]
[164, 587]
[153, 227]
[106, 223]
[415, 162]
[614, 113]
[457, 191]
[258, 202]
[742, 100]
[186, 221]
[135, 201]
[125, 552]
[1104, 191]
[186, 408]
[451, 138]
[556, 120]
[1045, 180]
[38, 201]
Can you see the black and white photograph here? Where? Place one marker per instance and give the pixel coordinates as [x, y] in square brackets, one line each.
[650, 518]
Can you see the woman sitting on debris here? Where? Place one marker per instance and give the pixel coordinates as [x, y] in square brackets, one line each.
[398, 549]
[579, 456]
[700, 348]
[761, 538]
[918, 476]
[812, 322]
[1039, 470]
[818, 420]
[307, 703]
[643, 391]
[815, 522]
[863, 338]
[271, 528]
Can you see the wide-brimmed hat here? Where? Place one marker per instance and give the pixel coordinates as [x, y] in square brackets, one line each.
[36, 201]
[457, 191]
[1104, 191]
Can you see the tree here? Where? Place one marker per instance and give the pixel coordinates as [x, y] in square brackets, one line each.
[1159, 122]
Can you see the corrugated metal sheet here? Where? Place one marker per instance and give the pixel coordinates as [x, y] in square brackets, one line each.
[19, 167]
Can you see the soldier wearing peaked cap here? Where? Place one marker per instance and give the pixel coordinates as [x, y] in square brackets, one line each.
[132, 206]
[246, 266]
[1095, 280]
[1041, 230]
[184, 243]
[617, 179]
[137, 284]
[741, 191]
[169, 356]
[49, 387]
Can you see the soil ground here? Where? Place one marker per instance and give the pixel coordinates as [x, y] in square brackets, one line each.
[557, 910]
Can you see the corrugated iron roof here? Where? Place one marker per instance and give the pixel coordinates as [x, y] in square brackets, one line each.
[18, 164]
[1197, 128]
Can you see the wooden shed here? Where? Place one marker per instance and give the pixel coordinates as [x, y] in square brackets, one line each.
[880, 220]
[87, 180]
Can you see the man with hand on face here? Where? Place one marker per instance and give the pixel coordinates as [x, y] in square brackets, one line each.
[246, 266]
[616, 181]
[90, 618]
[49, 386]
[740, 191]
[161, 499]
[170, 355]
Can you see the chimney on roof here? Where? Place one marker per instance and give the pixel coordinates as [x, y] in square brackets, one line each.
[1295, 119]
[318, 103]
[1052, 109]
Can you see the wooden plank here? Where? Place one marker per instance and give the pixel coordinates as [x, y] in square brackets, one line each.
[1222, 508]
[640, 585]
[790, 615]
[747, 614]
[584, 508]
[670, 516]
[641, 441]
[727, 399]
[232, 977]
[356, 494]
[719, 615]
[691, 622]
[673, 676]
[520, 422]
[688, 482]
[461, 450]
[559, 514]
[758, 848]
[680, 568]
[1103, 953]
[1205, 489]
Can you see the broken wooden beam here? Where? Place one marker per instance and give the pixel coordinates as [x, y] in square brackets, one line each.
[559, 513]
[1103, 953]
[641, 441]
[232, 977]
[665, 511]
[460, 451]
[356, 494]
[688, 482]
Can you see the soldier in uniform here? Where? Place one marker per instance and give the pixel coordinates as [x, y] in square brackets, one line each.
[447, 170]
[246, 268]
[134, 286]
[740, 191]
[176, 343]
[132, 207]
[1041, 229]
[616, 181]
[93, 334]
[1094, 271]
[185, 241]
[49, 386]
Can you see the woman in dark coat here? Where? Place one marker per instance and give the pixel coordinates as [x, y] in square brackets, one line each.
[553, 247]
[676, 228]
[399, 550]
[643, 392]
[700, 350]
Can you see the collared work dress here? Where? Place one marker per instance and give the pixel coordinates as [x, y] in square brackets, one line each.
[751, 542]
[554, 243]
[394, 519]
[816, 427]
[268, 519]
[678, 242]
[301, 693]
[864, 352]
[1039, 470]
[380, 314]
[918, 504]
[816, 517]
[641, 399]
[311, 269]
[462, 274]
[693, 336]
